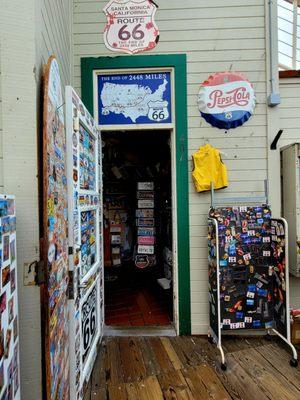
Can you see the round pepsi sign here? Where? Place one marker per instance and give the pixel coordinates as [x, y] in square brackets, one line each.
[226, 100]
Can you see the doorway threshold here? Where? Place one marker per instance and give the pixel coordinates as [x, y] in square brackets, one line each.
[168, 331]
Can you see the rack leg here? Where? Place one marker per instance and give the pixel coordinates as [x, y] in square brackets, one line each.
[214, 339]
[223, 363]
[294, 359]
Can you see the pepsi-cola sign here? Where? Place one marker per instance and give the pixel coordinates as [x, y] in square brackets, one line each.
[226, 100]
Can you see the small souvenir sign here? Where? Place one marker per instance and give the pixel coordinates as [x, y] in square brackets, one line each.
[131, 26]
[226, 100]
[135, 98]
[145, 249]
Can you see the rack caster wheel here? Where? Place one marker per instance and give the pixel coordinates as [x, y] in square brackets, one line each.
[294, 363]
[210, 339]
[224, 367]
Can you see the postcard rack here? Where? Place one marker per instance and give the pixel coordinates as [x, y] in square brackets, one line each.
[248, 274]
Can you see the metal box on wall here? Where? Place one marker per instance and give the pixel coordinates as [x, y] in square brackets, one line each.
[290, 161]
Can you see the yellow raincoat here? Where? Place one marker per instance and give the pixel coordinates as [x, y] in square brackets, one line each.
[208, 167]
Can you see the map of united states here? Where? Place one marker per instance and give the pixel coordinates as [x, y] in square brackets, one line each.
[132, 101]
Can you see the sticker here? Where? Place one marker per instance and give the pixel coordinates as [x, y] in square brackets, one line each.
[5, 248]
[226, 321]
[141, 261]
[145, 185]
[5, 275]
[145, 249]
[256, 324]
[146, 240]
[145, 222]
[51, 253]
[12, 251]
[10, 310]
[3, 302]
[262, 292]
[144, 213]
[145, 204]
[142, 195]
[7, 343]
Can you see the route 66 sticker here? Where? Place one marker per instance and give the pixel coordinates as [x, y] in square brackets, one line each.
[158, 111]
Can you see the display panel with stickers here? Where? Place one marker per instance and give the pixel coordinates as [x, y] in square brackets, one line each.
[9, 336]
[249, 254]
[85, 241]
[55, 244]
[213, 281]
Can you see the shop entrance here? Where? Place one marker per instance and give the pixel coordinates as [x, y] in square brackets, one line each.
[138, 228]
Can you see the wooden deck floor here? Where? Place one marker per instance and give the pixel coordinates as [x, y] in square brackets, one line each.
[147, 368]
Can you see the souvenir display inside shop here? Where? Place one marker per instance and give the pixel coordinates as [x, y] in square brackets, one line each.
[9, 337]
[248, 273]
[137, 207]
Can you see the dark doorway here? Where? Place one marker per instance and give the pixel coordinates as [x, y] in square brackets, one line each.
[137, 194]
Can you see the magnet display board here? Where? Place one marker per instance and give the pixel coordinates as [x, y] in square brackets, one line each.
[9, 336]
[213, 281]
[55, 245]
[86, 304]
[248, 273]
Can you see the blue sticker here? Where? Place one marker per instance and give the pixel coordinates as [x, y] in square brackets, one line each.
[256, 324]
[223, 263]
[251, 288]
[239, 315]
[250, 302]
[262, 292]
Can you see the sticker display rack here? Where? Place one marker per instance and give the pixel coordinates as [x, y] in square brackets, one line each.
[9, 336]
[248, 274]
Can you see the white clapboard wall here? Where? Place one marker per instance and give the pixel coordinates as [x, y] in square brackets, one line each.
[30, 31]
[290, 123]
[216, 36]
[54, 28]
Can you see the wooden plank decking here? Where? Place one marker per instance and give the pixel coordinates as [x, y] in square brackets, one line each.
[185, 368]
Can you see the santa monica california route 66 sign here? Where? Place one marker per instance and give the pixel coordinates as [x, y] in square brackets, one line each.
[130, 26]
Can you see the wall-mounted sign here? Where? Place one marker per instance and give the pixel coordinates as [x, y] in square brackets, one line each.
[226, 100]
[130, 26]
[135, 98]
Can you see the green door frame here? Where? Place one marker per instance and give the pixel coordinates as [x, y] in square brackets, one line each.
[178, 62]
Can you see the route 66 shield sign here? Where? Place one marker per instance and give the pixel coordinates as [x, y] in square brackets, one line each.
[130, 26]
[158, 111]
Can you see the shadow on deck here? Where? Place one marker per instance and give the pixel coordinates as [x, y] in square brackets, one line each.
[147, 368]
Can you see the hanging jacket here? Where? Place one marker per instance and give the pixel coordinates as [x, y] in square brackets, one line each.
[208, 167]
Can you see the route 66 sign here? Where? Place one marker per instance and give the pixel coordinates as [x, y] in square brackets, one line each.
[89, 323]
[130, 26]
[158, 111]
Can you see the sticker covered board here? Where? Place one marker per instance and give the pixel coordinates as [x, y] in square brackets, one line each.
[9, 336]
[55, 249]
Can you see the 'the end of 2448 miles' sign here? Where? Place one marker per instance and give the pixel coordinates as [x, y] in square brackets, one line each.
[130, 26]
[135, 98]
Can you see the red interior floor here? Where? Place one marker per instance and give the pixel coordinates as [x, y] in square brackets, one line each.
[136, 304]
